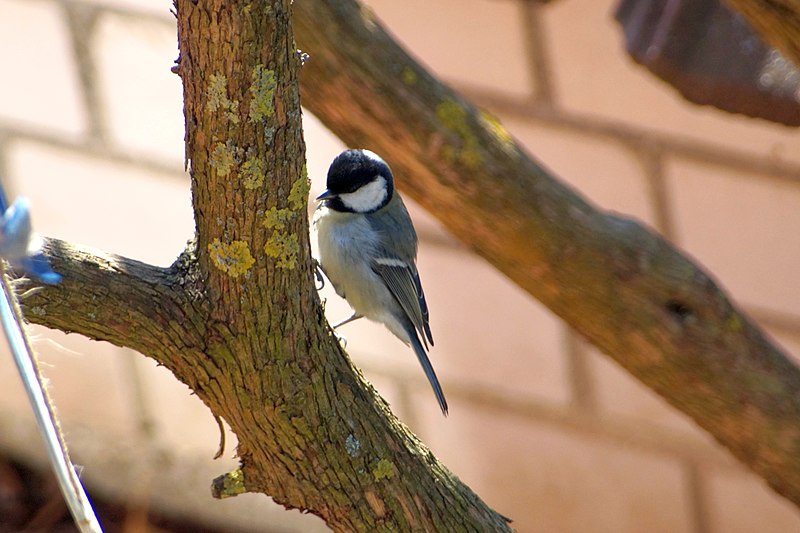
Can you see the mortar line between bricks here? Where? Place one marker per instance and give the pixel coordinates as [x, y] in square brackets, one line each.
[128, 12]
[537, 54]
[630, 433]
[653, 161]
[88, 148]
[82, 23]
[690, 149]
[696, 487]
[580, 376]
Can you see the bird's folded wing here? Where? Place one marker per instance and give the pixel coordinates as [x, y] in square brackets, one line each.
[403, 282]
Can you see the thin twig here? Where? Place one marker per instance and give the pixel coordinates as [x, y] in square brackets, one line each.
[221, 447]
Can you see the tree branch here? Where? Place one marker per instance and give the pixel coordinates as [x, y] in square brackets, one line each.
[123, 301]
[619, 284]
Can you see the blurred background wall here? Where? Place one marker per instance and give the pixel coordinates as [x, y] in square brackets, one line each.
[546, 429]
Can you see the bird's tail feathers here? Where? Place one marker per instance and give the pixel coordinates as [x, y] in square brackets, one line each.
[429, 372]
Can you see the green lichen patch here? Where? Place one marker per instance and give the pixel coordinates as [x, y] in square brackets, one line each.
[298, 195]
[252, 173]
[284, 247]
[454, 117]
[263, 92]
[497, 130]
[281, 245]
[232, 484]
[276, 218]
[734, 323]
[233, 258]
[383, 470]
[408, 76]
[223, 159]
[217, 94]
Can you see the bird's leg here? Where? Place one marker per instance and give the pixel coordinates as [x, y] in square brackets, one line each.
[355, 316]
[341, 338]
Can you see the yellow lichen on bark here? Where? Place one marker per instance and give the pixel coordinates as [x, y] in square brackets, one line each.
[252, 173]
[233, 258]
[275, 218]
[492, 124]
[298, 196]
[217, 94]
[383, 470]
[223, 159]
[454, 117]
[284, 247]
[263, 93]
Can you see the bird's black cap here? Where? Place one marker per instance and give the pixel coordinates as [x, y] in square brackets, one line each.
[352, 169]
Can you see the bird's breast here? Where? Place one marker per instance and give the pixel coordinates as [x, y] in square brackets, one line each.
[347, 246]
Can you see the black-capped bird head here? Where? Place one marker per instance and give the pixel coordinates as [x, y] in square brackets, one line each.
[359, 181]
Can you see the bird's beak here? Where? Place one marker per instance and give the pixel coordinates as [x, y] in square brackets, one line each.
[326, 194]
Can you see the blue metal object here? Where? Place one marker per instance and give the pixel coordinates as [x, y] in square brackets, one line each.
[20, 246]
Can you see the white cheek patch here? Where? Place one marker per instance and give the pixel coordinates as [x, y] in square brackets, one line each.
[368, 198]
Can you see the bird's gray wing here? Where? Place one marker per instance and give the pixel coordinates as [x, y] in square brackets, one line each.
[423, 307]
[403, 282]
[395, 262]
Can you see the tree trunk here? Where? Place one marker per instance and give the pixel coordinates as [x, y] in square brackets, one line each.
[237, 317]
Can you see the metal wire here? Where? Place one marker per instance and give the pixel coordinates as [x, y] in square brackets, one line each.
[77, 501]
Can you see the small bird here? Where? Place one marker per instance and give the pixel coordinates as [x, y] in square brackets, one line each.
[368, 250]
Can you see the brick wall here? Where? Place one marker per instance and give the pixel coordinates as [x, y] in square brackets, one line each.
[546, 429]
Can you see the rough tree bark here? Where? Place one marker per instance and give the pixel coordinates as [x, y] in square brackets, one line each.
[238, 320]
[237, 317]
[620, 285]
